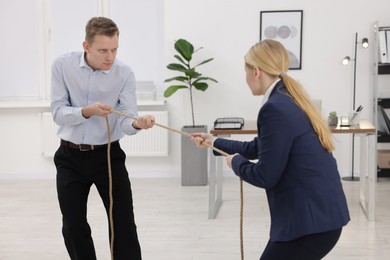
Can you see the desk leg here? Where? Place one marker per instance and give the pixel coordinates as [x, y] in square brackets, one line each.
[215, 184]
[368, 175]
[220, 160]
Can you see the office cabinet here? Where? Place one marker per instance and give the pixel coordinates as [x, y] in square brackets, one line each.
[381, 90]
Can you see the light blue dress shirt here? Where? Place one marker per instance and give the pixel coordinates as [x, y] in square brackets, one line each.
[75, 85]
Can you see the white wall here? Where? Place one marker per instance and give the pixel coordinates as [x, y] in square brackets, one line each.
[227, 29]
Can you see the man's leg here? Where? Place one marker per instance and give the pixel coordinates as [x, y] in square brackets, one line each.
[73, 190]
[126, 244]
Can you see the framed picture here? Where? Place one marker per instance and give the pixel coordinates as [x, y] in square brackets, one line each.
[285, 27]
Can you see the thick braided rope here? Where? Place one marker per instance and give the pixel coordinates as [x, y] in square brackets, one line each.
[241, 219]
[110, 189]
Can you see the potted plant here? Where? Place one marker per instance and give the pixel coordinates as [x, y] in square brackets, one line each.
[194, 161]
[189, 78]
[333, 119]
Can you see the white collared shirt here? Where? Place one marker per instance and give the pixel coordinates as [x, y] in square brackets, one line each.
[268, 92]
[76, 85]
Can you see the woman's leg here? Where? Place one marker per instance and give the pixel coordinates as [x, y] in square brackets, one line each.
[310, 247]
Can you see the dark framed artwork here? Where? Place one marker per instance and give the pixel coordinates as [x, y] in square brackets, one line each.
[285, 27]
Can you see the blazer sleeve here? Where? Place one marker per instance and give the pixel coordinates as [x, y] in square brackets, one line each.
[276, 136]
[246, 149]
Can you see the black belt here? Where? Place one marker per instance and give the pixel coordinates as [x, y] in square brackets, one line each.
[83, 147]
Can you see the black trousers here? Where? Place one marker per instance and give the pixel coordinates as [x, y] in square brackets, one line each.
[310, 247]
[76, 172]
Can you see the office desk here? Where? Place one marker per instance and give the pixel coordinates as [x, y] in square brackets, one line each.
[368, 173]
[215, 167]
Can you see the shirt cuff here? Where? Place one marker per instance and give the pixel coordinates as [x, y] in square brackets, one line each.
[136, 128]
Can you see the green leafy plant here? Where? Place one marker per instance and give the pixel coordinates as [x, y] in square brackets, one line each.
[190, 78]
[332, 114]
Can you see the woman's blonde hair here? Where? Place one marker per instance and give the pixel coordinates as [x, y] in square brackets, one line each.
[271, 57]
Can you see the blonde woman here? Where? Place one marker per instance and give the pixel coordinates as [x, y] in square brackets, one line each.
[295, 163]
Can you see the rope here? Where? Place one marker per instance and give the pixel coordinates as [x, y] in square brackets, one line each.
[205, 144]
[174, 130]
[110, 189]
[241, 219]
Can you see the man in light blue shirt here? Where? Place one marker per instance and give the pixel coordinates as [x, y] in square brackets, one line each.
[86, 86]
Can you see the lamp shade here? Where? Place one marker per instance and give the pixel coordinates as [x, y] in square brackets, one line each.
[346, 60]
[365, 43]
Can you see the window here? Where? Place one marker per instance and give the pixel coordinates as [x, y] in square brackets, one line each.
[43, 29]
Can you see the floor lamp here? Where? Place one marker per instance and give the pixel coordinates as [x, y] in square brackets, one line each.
[346, 61]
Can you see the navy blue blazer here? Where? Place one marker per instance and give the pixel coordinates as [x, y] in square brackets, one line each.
[301, 178]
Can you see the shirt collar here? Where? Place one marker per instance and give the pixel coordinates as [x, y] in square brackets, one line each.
[269, 90]
[83, 63]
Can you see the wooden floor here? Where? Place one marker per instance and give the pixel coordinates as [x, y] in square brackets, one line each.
[173, 222]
